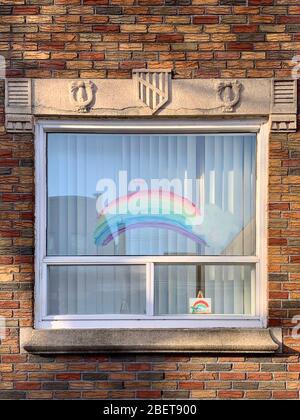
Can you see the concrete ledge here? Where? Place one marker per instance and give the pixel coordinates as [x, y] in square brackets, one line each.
[151, 341]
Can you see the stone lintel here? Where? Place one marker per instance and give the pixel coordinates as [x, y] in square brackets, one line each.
[152, 94]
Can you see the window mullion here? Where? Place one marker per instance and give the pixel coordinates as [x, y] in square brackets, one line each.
[150, 288]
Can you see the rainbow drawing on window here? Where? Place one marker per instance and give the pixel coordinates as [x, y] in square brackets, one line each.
[200, 306]
[148, 209]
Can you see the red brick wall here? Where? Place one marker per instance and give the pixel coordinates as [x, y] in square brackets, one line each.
[106, 39]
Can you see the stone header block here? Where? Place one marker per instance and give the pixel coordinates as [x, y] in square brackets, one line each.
[151, 93]
[121, 98]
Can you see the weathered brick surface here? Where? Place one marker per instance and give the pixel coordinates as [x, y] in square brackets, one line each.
[106, 39]
[259, 37]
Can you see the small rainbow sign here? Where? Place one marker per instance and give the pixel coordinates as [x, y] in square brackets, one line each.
[200, 306]
[156, 209]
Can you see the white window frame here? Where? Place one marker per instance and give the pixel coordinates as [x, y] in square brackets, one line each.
[258, 318]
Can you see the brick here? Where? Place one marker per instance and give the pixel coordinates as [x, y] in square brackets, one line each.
[54, 367]
[218, 385]
[259, 376]
[230, 395]
[271, 385]
[95, 2]
[258, 395]
[106, 28]
[191, 385]
[27, 386]
[67, 395]
[109, 385]
[232, 376]
[115, 10]
[28, 10]
[273, 367]
[240, 46]
[67, 2]
[121, 395]
[124, 376]
[294, 368]
[151, 376]
[170, 38]
[12, 395]
[245, 385]
[178, 2]
[6, 10]
[137, 385]
[6, 385]
[68, 376]
[39, 395]
[218, 367]
[205, 19]
[138, 367]
[234, 2]
[148, 394]
[91, 56]
[252, 367]
[94, 376]
[286, 395]
[36, 55]
[55, 385]
[191, 366]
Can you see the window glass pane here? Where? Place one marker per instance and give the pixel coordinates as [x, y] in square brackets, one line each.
[119, 289]
[151, 194]
[226, 289]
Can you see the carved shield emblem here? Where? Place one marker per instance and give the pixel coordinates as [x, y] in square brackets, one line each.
[153, 87]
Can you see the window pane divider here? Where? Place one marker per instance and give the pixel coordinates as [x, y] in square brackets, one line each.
[150, 289]
[101, 260]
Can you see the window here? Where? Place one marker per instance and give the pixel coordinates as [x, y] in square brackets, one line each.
[150, 225]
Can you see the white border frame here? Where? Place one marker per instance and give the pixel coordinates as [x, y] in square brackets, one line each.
[259, 317]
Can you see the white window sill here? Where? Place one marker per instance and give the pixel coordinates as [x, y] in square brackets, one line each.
[179, 340]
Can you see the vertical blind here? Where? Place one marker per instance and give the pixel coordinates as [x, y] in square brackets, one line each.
[229, 287]
[88, 290]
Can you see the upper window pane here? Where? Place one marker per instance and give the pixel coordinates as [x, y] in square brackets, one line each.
[156, 194]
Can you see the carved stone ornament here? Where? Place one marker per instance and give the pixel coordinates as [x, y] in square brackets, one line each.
[18, 98]
[284, 105]
[230, 94]
[19, 123]
[18, 106]
[153, 87]
[83, 95]
[283, 123]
